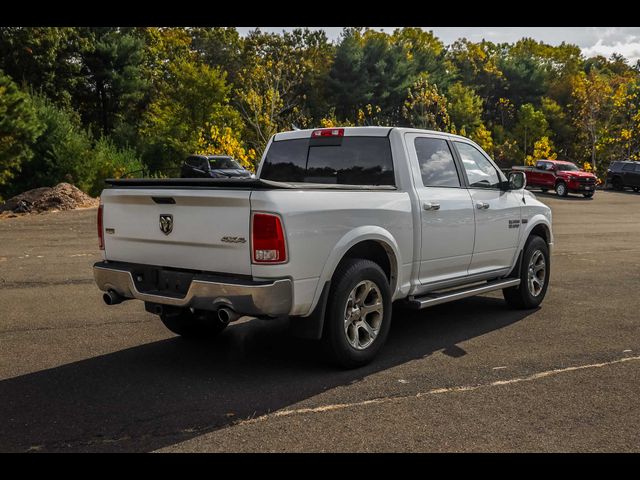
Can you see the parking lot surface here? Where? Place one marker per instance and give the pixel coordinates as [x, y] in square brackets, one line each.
[76, 375]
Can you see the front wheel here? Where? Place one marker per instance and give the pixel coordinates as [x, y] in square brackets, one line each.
[534, 276]
[358, 313]
[561, 189]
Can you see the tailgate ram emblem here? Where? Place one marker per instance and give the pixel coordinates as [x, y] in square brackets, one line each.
[166, 223]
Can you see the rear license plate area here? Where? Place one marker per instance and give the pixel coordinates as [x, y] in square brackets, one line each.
[173, 282]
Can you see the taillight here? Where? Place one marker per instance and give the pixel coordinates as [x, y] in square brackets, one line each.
[267, 239]
[328, 132]
[100, 229]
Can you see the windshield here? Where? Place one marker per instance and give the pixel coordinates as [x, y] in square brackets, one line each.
[224, 163]
[567, 167]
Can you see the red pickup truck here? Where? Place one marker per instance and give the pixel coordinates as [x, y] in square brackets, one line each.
[563, 177]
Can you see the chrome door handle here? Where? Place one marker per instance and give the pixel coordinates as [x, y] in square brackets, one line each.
[431, 206]
[482, 205]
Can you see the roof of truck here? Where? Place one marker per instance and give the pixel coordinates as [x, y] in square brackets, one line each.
[373, 131]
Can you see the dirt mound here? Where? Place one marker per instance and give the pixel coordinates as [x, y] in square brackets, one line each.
[63, 196]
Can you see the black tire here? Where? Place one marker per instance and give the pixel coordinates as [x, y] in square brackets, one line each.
[544, 190]
[588, 195]
[636, 189]
[561, 189]
[349, 275]
[192, 324]
[617, 184]
[521, 297]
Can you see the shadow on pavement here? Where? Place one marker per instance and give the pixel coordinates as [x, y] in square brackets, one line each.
[154, 395]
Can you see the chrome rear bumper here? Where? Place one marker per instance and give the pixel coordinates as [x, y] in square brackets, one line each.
[245, 297]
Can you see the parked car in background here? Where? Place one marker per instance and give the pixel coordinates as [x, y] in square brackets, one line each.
[563, 177]
[623, 174]
[212, 166]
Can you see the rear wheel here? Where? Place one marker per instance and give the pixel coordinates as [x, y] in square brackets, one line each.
[561, 189]
[588, 195]
[358, 313]
[636, 189]
[192, 323]
[534, 276]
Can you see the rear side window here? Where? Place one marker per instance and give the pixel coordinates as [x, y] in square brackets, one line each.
[344, 161]
[436, 163]
[627, 167]
[637, 170]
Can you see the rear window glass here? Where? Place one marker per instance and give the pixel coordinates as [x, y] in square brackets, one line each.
[344, 161]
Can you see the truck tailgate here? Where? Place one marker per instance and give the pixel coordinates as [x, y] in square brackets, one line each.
[195, 223]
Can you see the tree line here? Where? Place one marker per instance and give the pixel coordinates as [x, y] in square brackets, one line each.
[83, 104]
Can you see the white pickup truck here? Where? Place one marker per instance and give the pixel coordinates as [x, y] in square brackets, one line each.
[338, 224]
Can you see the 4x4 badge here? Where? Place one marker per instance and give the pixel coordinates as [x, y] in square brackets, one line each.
[166, 223]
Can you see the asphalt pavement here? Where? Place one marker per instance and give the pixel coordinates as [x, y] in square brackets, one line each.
[76, 375]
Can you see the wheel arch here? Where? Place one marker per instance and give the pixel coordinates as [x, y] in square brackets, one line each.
[373, 243]
[369, 242]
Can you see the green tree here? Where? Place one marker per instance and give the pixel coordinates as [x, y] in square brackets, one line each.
[425, 107]
[592, 108]
[61, 151]
[464, 107]
[114, 85]
[44, 58]
[280, 82]
[19, 126]
[531, 127]
[190, 96]
[220, 47]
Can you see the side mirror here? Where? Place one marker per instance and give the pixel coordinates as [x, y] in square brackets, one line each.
[517, 180]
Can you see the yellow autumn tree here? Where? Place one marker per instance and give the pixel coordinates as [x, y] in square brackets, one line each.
[542, 149]
[214, 140]
[482, 136]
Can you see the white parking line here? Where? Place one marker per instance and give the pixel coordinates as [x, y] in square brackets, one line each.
[436, 391]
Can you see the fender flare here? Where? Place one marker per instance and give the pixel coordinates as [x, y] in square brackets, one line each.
[536, 220]
[348, 240]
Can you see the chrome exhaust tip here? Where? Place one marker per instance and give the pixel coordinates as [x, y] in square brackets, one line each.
[226, 315]
[112, 297]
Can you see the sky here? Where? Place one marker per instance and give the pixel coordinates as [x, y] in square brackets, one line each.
[592, 40]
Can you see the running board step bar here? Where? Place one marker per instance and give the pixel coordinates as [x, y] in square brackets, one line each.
[432, 299]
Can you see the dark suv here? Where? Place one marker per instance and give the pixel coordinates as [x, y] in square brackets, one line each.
[622, 174]
[212, 166]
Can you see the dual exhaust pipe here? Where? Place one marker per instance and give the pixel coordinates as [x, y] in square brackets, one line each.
[224, 314]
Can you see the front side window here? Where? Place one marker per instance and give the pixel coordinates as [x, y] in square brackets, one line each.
[480, 172]
[542, 165]
[637, 168]
[437, 166]
[568, 167]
